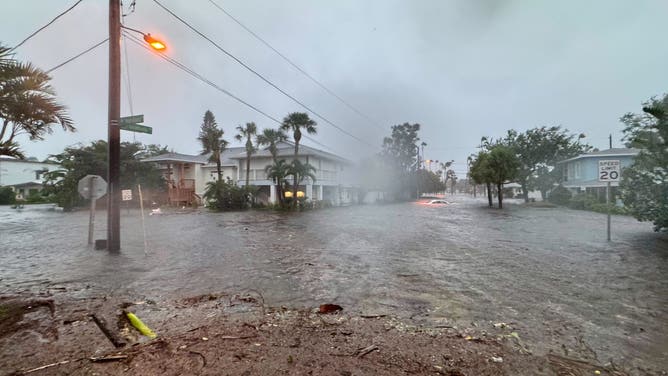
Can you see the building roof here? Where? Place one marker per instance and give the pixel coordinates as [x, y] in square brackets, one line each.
[177, 157]
[287, 149]
[9, 159]
[231, 155]
[614, 152]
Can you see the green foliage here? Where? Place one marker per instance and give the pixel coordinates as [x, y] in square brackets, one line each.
[27, 104]
[271, 138]
[399, 155]
[295, 122]
[247, 132]
[645, 183]
[430, 182]
[560, 196]
[36, 197]
[78, 161]
[591, 203]
[221, 195]
[538, 150]
[7, 196]
[300, 171]
[211, 139]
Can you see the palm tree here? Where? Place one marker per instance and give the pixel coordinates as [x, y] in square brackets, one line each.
[299, 172]
[295, 122]
[247, 132]
[277, 172]
[212, 140]
[271, 138]
[27, 104]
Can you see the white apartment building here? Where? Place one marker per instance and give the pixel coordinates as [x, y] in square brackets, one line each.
[187, 175]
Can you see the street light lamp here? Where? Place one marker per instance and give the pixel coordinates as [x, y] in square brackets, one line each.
[156, 44]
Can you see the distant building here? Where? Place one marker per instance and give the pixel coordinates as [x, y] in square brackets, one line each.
[580, 174]
[187, 175]
[24, 176]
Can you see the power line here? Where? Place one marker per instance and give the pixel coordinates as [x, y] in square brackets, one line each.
[198, 76]
[259, 75]
[45, 26]
[89, 49]
[300, 69]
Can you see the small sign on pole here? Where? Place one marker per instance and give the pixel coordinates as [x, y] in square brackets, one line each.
[126, 194]
[609, 171]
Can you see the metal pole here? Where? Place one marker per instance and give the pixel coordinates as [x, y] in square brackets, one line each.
[91, 219]
[114, 132]
[607, 203]
[143, 224]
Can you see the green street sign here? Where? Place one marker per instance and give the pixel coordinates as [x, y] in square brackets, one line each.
[136, 128]
[131, 120]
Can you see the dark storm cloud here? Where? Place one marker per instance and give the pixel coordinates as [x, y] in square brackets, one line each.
[463, 69]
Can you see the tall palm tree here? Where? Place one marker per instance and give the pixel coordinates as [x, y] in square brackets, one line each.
[211, 138]
[271, 138]
[247, 132]
[27, 104]
[295, 122]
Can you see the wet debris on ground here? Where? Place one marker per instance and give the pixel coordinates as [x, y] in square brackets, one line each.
[216, 334]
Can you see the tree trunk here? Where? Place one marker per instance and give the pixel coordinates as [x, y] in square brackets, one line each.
[218, 169]
[294, 181]
[474, 185]
[247, 169]
[525, 192]
[489, 194]
[499, 188]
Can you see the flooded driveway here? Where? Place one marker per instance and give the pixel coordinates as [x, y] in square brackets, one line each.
[547, 272]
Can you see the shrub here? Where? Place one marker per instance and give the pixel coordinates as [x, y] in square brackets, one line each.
[7, 196]
[560, 196]
[225, 195]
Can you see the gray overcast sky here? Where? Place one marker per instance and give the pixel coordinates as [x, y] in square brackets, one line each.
[462, 69]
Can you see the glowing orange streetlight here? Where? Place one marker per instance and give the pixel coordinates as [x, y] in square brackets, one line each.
[156, 44]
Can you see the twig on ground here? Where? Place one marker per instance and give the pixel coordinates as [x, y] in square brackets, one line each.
[111, 336]
[46, 366]
[372, 316]
[108, 358]
[361, 352]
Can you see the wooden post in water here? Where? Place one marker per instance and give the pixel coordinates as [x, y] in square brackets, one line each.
[91, 219]
[143, 226]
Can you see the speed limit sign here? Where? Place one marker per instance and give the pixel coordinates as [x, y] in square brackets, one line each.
[609, 170]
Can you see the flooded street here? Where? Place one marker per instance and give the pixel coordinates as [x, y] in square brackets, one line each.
[547, 272]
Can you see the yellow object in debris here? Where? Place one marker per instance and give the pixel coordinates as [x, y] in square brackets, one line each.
[597, 372]
[139, 325]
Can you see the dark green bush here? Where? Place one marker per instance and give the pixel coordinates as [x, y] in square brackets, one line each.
[560, 196]
[225, 195]
[7, 196]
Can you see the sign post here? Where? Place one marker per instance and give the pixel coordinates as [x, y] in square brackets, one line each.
[92, 187]
[609, 171]
[131, 123]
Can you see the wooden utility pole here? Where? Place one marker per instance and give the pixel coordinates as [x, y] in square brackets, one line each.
[114, 132]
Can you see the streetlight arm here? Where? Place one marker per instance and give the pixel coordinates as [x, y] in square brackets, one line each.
[131, 29]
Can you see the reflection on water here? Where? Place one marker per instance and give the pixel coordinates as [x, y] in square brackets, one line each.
[549, 271]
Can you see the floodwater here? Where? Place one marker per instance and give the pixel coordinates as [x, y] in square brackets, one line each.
[548, 272]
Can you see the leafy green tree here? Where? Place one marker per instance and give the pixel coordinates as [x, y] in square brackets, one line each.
[211, 138]
[430, 181]
[248, 132]
[480, 174]
[538, 150]
[400, 154]
[296, 122]
[28, 104]
[502, 167]
[645, 183]
[78, 161]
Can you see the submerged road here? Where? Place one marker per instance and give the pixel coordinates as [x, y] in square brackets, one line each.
[548, 272]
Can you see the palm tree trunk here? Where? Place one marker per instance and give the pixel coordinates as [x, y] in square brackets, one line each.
[294, 181]
[247, 169]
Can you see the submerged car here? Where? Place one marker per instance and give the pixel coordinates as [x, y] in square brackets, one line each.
[438, 202]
